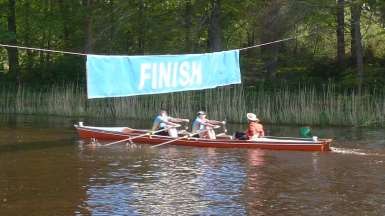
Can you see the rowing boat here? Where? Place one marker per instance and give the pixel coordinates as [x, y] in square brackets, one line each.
[274, 143]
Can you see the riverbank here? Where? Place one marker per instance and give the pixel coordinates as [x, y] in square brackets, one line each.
[302, 106]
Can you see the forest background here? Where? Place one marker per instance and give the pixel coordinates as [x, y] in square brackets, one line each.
[324, 75]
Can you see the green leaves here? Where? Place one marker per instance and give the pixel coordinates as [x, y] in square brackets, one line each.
[176, 27]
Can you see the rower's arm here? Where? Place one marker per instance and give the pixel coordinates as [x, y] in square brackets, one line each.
[260, 130]
[171, 123]
[208, 124]
[178, 120]
[216, 122]
[167, 122]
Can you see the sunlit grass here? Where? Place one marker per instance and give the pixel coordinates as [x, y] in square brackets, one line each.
[301, 106]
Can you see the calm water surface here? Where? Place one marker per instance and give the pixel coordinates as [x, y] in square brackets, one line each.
[45, 169]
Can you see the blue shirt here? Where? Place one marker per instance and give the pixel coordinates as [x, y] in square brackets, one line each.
[197, 125]
[159, 122]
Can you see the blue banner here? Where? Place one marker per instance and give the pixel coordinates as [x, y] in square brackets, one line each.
[118, 76]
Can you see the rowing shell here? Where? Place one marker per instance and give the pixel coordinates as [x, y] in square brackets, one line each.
[276, 143]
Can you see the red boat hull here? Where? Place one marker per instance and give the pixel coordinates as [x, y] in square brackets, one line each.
[101, 134]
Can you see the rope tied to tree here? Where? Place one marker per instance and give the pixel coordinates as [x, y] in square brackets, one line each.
[85, 54]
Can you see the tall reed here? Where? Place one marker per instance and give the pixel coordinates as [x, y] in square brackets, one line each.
[302, 106]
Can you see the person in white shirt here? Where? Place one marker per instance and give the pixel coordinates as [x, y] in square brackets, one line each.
[201, 123]
[163, 121]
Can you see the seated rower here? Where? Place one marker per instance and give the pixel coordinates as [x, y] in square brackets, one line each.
[163, 121]
[201, 123]
[254, 130]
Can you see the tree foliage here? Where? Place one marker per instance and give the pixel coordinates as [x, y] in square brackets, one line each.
[136, 27]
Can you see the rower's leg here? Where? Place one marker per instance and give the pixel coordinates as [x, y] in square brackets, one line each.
[212, 134]
[173, 132]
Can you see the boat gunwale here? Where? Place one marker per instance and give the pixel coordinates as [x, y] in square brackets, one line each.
[320, 142]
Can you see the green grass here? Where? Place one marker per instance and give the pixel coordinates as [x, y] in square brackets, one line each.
[301, 106]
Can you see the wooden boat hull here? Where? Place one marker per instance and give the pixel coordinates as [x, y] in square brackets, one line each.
[103, 133]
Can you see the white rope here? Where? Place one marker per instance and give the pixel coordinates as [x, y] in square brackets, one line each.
[84, 54]
[277, 41]
[268, 43]
[39, 49]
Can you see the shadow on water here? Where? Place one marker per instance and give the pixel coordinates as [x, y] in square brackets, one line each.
[33, 146]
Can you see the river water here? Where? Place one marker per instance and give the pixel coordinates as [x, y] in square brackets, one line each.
[45, 169]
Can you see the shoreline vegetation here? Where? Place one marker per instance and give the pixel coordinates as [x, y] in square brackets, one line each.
[301, 106]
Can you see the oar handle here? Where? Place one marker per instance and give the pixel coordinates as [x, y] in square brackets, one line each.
[146, 134]
[186, 136]
[130, 138]
[170, 141]
[224, 126]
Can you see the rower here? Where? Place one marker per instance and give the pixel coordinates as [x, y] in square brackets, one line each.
[202, 123]
[163, 121]
[254, 130]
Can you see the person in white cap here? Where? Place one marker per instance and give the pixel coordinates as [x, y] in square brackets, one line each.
[254, 130]
[202, 123]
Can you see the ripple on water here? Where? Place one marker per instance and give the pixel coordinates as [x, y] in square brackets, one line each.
[182, 185]
[72, 176]
[362, 152]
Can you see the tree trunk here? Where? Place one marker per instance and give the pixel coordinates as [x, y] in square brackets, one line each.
[27, 35]
[141, 27]
[48, 54]
[65, 18]
[215, 30]
[49, 38]
[270, 56]
[112, 27]
[188, 25]
[44, 42]
[250, 74]
[357, 41]
[274, 27]
[88, 26]
[352, 32]
[12, 52]
[341, 33]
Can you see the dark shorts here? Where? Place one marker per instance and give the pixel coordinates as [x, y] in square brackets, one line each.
[241, 136]
[195, 136]
[162, 133]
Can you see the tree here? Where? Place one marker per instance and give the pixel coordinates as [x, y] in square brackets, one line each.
[13, 60]
[357, 51]
[341, 33]
[88, 6]
[27, 34]
[188, 10]
[215, 28]
[141, 27]
[196, 26]
[275, 23]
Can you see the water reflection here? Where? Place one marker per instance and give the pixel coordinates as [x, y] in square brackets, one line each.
[46, 170]
[255, 184]
[169, 181]
[40, 180]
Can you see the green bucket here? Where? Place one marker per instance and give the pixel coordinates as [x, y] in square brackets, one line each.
[305, 132]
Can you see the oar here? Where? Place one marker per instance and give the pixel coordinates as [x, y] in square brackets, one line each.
[170, 141]
[224, 134]
[143, 135]
[183, 137]
[224, 128]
